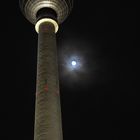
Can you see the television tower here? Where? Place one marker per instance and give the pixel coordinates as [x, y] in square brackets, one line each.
[46, 15]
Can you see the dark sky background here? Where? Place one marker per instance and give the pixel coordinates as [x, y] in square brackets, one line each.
[99, 100]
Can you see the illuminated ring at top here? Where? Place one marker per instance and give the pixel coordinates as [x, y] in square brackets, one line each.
[31, 7]
[46, 20]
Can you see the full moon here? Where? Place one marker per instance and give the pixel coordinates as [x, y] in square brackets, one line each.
[73, 63]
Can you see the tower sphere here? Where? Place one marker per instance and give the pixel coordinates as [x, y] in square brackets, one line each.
[31, 7]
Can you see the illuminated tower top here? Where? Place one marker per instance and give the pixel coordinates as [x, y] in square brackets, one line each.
[30, 8]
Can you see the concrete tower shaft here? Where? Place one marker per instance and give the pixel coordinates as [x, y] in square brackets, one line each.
[47, 110]
[47, 15]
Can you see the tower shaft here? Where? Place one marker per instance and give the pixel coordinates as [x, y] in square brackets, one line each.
[46, 15]
[47, 110]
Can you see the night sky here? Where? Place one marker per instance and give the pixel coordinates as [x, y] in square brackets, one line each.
[99, 98]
